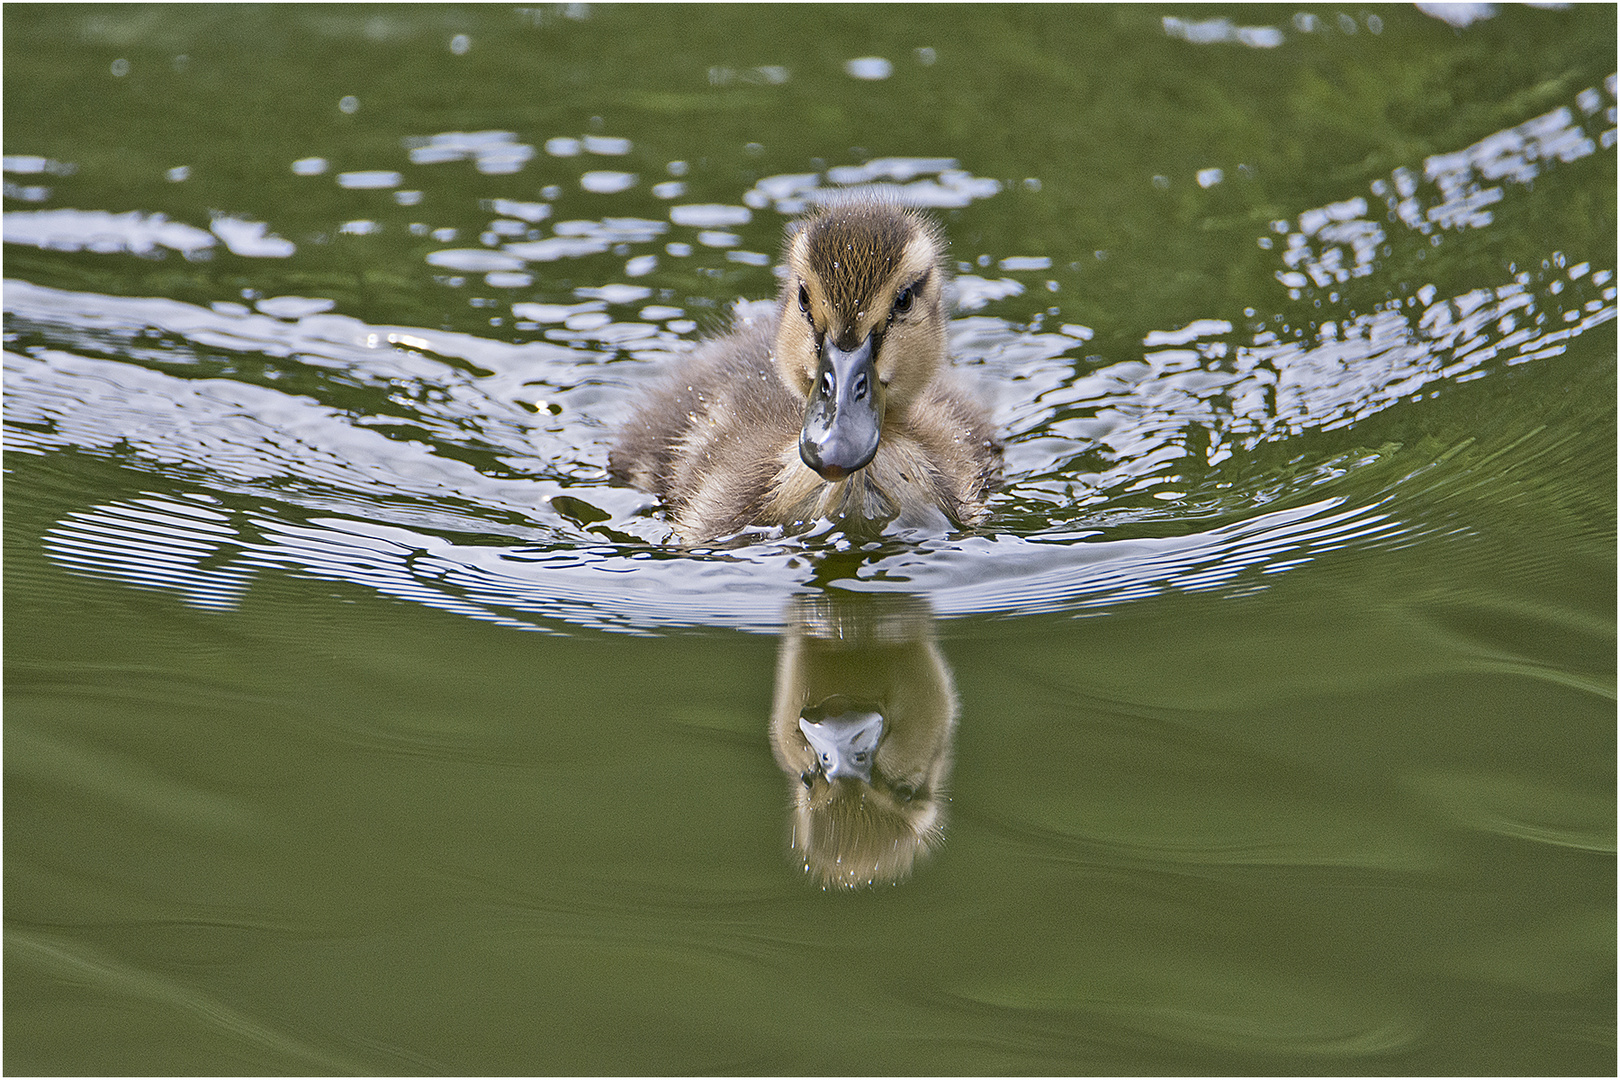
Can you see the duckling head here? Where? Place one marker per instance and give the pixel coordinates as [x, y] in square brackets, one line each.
[862, 327]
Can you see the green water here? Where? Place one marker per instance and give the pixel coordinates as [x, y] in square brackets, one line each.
[355, 722]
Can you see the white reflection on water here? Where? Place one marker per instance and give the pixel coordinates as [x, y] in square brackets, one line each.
[494, 153]
[103, 233]
[1125, 427]
[937, 183]
[31, 164]
[543, 411]
[252, 239]
[370, 179]
[607, 181]
[483, 437]
[1137, 415]
[1337, 242]
[136, 233]
[1212, 31]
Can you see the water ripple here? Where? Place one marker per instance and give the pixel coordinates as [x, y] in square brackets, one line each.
[369, 452]
[71, 961]
[208, 557]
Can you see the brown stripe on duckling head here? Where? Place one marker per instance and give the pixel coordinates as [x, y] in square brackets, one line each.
[861, 254]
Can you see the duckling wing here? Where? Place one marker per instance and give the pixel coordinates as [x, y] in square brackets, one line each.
[954, 428]
[709, 437]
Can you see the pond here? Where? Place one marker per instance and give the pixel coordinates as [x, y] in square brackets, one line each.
[356, 721]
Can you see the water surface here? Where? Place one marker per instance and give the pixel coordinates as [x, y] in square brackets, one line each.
[357, 723]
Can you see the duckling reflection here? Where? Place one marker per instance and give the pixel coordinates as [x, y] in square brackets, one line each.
[862, 723]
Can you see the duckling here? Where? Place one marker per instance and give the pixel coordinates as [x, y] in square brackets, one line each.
[862, 723]
[842, 405]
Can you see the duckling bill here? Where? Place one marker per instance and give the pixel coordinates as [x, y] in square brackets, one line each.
[841, 405]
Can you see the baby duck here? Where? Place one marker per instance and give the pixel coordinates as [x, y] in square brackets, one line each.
[862, 723]
[842, 405]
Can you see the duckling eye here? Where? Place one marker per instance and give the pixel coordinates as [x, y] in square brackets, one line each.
[902, 303]
[804, 300]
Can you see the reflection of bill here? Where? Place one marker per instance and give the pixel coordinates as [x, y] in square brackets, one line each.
[862, 724]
